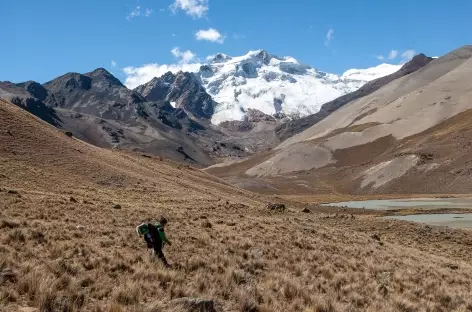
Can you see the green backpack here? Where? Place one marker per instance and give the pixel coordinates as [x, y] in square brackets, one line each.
[142, 229]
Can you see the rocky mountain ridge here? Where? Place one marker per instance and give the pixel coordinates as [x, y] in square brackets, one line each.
[99, 109]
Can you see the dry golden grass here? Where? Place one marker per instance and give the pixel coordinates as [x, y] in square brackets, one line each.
[63, 247]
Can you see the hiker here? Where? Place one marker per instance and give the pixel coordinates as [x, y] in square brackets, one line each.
[155, 237]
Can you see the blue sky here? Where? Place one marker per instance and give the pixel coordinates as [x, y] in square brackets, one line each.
[44, 39]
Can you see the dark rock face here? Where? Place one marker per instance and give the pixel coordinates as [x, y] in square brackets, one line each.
[249, 70]
[158, 88]
[30, 96]
[294, 127]
[67, 89]
[182, 88]
[206, 71]
[97, 93]
[188, 93]
[37, 108]
[175, 118]
[220, 58]
[265, 57]
[35, 90]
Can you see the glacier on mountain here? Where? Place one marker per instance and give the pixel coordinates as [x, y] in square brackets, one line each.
[271, 84]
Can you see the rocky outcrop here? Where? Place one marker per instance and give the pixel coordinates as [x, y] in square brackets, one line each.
[252, 118]
[193, 305]
[30, 96]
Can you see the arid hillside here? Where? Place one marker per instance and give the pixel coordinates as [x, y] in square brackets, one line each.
[68, 212]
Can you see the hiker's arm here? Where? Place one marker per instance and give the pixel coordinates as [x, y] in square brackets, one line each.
[164, 238]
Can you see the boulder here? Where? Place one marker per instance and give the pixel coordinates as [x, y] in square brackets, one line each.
[256, 252]
[206, 225]
[376, 237]
[28, 309]
[194, 304]
[276, 206]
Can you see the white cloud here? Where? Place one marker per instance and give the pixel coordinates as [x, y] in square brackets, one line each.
[210, 34]
[136, 12]
[393, 54]
[408, 55]
[210, 57]
[194, 8]
[136, 76]
[174, 35]
[329, 36]
[184, 57]
[113, 63]
[147, 12]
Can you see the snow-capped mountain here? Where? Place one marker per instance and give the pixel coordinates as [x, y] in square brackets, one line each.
[271, 84]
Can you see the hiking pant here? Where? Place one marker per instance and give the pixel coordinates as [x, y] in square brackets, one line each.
[156, 240]
[159, 253]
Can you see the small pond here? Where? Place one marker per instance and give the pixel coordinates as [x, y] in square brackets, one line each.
[459, 221]
[417, 203]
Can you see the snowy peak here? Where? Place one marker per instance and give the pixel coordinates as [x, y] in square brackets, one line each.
[262, 81]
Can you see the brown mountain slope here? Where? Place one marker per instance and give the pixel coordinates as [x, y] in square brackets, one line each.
[289, 129]
[66, 246]
[424, 98]
[39, 156]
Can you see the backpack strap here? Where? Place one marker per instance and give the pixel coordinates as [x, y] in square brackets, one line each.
[142, 229]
